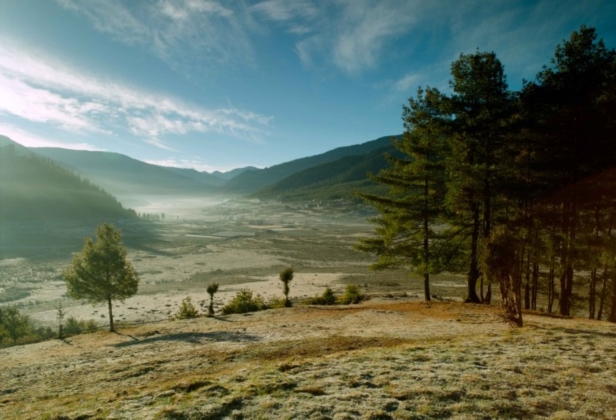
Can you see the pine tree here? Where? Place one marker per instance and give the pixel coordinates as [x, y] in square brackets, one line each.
[409, 213]
[479, 107]
[100, 272]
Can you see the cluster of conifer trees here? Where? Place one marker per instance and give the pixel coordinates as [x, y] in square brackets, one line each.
[519, 188]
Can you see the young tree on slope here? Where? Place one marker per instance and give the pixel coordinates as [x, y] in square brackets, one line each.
[100, 272]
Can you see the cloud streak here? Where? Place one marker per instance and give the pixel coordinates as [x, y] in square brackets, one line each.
[28, 139]
[179, 32]
[43, 91]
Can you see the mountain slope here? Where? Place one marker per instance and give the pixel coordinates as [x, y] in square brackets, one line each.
[250, 182]
[125, 177]
[35, 189]
[233, 173]
[204, 177]
[337, 179]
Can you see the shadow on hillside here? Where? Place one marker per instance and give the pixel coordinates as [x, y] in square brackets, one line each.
[578, 331]
[589, 332]
[196, 338]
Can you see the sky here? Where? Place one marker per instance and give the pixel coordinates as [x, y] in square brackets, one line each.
[222, 84]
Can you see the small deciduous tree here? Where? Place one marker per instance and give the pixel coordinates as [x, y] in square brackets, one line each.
[60, 313]
[286, 276]
[101, 272]
[211, 290]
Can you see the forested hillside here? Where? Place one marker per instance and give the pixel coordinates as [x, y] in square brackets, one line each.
[332, 180]
[127, 178]
[34, 189]
[252, 181]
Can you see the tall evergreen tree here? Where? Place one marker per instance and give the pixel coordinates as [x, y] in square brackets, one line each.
[406, 235]
[478, 108]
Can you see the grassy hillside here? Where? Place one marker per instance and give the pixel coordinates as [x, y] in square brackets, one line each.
[250, 182]
[377, 360]
[125, 177]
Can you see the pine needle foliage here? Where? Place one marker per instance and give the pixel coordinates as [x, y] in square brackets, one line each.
[101, 272]
[406, 229]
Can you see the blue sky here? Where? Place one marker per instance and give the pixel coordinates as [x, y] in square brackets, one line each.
[217, 85]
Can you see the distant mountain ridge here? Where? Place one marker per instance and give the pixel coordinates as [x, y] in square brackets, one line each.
[233, 173]
[332, 174]
[251, 182]
[128, 178]
[332, 180]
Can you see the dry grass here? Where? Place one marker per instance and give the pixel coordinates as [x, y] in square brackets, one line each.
[377, 360]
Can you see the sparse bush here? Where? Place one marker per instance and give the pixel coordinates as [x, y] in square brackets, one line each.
[352, 294]
[187, 310]
[211, 290]
[276, 303]
[244, 302]
[76, 326]
[327, 298]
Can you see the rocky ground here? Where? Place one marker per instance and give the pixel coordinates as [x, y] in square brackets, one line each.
[382, 359]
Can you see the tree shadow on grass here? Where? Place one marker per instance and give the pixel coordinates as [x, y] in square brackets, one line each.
[577, 331]
[196, 338]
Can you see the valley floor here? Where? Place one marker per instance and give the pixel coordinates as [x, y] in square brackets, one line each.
[385, 358]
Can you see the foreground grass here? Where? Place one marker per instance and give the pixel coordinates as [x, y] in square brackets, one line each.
[377, 360]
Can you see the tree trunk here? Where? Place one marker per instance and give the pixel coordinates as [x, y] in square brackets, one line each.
[210, 310]
[110, 306]
[566, 279]
[612, 317]
[592, 294]
[473, 273]
[527, 285]
[602, 296]
[426, 244]
[535, 286]
[551, 287]
[566, 287]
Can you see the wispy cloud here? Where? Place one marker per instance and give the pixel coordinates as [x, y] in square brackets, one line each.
[28, 139]
[172, 162]
[350, 34]
[406, 82]
[44, 91]
[180, 32]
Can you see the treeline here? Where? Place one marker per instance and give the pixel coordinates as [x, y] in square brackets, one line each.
[33, 188]
[516, 188]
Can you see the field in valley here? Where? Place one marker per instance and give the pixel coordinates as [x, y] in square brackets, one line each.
[239, 244]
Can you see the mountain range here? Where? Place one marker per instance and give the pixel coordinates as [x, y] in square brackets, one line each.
[332, 174]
